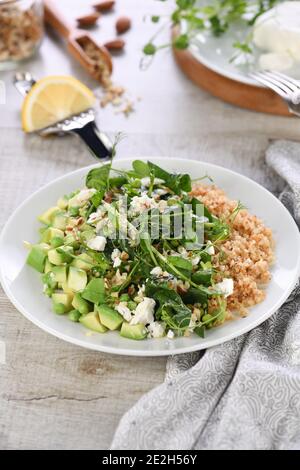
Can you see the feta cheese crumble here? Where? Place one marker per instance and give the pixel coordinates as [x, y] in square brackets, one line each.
[225, 287]
[156, 329]
[116, 258]
[210, 249]
[98, 243]
[144, 312]
[147, 181]
[141, 204]
[156, 272]
[124, 311]
[170, 334]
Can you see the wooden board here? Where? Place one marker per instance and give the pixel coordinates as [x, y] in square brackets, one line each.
[239, 94]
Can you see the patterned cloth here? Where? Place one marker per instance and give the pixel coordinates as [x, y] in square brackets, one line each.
[244, 394]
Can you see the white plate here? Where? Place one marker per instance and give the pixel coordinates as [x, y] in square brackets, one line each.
[24, 288]
[216, 54]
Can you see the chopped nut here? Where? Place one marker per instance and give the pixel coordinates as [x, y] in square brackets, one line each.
[21, 31]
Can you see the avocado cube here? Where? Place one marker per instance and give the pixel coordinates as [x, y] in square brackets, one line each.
[83, 261]
[47, 217]
[80, 304]
[137, 331]
[62, 203]
[77, 279]
[70, 240]
[51, 233]
[95, 291]
[64, 299]
[60, 255]
[60, 220]
[92, 322]
[48, 266]
[74, 315]
[37, 258]
[66, 288]
[109, 317]
[60, 273]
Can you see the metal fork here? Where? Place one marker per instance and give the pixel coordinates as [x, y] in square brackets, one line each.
[82, 124]
[286, 87]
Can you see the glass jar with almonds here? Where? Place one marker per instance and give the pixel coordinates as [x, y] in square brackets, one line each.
[21, 30]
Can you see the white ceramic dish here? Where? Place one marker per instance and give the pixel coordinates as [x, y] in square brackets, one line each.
[23, 285]
[216, 54]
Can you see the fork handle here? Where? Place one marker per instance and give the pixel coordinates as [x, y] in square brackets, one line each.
[97, 142]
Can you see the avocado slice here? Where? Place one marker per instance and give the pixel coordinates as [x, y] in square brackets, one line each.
[47, 217]
[77, 279]
[50, 233]
[60, 220]
[109, 317]
[60, 273]
[60, 257]
[137, 331]
[62, 298]
[92, 322]
[83, 261]
[80, 304]
[95, 291]
[37, 258]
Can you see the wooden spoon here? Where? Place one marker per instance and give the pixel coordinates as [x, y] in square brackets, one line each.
[93, 57]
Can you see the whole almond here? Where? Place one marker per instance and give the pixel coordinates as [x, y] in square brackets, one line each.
[123, 24]
[115, 44]
[105, 5]
[88, 20]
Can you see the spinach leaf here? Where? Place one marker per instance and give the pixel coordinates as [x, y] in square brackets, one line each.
[97, 198]
[171, 308]
[195, 296]
[117, 181]
[176, 183]
[141, 168]
[203, 277]
[98, 177]
[180, 263]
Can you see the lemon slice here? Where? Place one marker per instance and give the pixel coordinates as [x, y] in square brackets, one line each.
[53, 99]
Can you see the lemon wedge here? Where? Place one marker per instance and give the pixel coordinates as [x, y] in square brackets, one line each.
[53, 99]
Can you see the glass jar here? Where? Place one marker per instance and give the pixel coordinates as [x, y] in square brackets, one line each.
[21, 30]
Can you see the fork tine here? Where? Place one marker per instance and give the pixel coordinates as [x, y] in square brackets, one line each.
[265, 80]
[289, 81]
[278, 82]
[283, 80]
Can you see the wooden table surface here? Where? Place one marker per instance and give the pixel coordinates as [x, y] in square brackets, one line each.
[55, 395]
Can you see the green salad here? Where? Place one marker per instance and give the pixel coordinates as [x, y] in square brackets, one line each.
[133, 252]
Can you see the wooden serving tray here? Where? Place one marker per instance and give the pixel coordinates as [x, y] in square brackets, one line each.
[258, 99]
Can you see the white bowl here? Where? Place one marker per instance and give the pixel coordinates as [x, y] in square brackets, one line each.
[24, 288]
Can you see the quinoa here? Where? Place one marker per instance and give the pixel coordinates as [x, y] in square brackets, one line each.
[246, 256]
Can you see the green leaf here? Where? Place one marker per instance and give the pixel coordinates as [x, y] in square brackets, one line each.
[149, 49]
[141, 168]
[203, 277]
[180, 263]
[155, 19]
[195, 296]
[117, 182]
[97, 198]
[181, 42]
[98, 177]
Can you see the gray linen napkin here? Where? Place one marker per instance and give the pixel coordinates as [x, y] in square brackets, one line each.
[244, 394]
